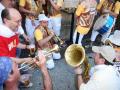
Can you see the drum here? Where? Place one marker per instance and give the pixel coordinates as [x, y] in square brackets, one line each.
[104, 23]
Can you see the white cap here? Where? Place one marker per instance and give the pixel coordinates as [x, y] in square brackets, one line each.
[115, 38]
[42, 17]
[106, 51]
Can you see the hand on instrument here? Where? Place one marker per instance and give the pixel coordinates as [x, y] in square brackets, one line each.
[31, 47]
[78, 70]
[52, 33]
[40, 60]
[107, 42]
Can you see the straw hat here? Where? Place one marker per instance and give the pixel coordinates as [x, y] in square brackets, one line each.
[106, 51]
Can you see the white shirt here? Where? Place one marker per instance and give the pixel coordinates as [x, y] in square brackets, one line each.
[104, 77]
[5, 31]
[20, 29]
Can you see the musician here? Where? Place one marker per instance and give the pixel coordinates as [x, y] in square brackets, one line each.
[114, 41]
[54, 7]
[85, 15]
[43, 37]
[8, 72]
[104, 76]
[8, 4]
[31, 8]
[108, 9]
[9, 42]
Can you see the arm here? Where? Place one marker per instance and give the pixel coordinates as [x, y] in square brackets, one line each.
[43, 41]
[21, 60]
[22, 5]
[78, 72]
[46, 78]
[55, 6]
[110, 12]
[41, 62]
[42, 1]
[22, 46]
[21, 32]
[22, 9]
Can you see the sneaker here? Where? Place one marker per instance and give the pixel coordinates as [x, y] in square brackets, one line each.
[50, 64]
[56, 55]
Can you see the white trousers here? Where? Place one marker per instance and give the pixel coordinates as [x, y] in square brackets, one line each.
[30, 29]
[55, 24]
[77, 38]
[104, 36]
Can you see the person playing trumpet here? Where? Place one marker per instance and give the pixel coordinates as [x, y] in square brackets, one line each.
[43, 38]
[31, 9]
[9, 41]
[104, 76]
[9, 73]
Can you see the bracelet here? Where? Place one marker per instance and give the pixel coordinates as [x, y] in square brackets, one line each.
[78, 74]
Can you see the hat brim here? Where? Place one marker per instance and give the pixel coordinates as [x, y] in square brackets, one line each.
[44, 19]
[95, 49]
[106, 51]
[113, 40]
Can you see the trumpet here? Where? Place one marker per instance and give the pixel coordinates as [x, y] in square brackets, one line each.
[55, 39]
[59, 40]
[25, 66]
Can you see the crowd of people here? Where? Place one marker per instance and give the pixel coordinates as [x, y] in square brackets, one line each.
[43, 25]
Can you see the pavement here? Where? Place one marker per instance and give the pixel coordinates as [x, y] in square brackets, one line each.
[63, 77]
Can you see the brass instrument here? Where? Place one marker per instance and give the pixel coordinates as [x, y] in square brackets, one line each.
[75, 56]
[108, 42]
[58, 39]
[25, 66]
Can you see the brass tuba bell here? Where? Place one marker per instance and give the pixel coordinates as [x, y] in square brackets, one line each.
[75, 55]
